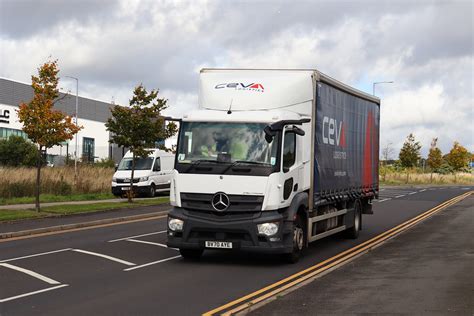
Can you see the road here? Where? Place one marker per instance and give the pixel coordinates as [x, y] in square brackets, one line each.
[126, 269]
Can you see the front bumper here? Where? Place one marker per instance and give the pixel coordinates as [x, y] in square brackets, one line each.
[117, 190]
[238, 228]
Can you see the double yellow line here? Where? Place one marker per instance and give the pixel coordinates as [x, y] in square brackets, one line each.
[272, 290]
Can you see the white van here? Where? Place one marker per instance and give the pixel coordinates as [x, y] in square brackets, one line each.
[152, 174]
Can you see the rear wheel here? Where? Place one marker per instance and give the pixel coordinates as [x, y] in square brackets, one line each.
[299, 241]
[191, 254]
[353, 232]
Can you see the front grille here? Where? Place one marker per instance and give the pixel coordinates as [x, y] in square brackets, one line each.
[238, 203]
[135, 180]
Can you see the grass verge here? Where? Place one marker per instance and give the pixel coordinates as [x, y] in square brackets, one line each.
[46, 198]
[64, 210]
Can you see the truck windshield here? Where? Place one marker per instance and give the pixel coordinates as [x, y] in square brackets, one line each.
[140, 163]
[225, 142]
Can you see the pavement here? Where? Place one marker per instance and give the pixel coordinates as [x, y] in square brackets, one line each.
[127, 269]
[428, 270]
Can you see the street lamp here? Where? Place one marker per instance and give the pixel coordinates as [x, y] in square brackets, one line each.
[77, 103]
[373, 85]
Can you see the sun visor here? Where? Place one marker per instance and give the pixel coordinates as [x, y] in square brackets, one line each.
[254, 89]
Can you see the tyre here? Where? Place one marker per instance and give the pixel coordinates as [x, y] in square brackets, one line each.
[299, 241]
[353, 232]
[152, 191]
[191, 254]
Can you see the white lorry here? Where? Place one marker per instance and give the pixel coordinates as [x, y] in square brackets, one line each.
[152, 174]
[272, 160]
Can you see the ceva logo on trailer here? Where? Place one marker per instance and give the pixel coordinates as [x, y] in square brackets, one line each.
[257, 87]
[333, 132]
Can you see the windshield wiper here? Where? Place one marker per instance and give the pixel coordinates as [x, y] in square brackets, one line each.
[197, 162]
[235, 163]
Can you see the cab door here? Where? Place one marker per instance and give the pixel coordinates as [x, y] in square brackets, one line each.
[289, 165]
[157, 177]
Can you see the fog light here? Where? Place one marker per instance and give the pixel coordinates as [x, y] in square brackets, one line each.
[175, 224]
[267, 229]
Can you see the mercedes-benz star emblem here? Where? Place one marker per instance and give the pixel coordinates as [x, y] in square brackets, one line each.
[220, 201]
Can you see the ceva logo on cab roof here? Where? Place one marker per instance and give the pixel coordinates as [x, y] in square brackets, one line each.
[257, 87]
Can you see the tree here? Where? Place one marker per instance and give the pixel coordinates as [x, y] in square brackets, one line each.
[458, 157]
[435, 158]
[409, 154]
[45, 126]
[139, 126]
[17, 151]
[387, 152]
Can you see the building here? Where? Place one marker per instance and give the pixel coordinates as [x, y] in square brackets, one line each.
[92, 141]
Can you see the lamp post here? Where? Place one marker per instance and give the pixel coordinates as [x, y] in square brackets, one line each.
[76, 117]
[379, 82]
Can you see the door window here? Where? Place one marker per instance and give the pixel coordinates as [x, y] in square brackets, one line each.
[289, 150]
[157, 165]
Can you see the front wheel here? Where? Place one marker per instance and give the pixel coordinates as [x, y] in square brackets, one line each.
[191, 254]
[299, 241]
[152, 191]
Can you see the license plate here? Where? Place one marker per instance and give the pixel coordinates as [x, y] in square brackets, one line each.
[219, 244]
[126, 189]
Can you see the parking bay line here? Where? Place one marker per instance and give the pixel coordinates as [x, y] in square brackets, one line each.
[399, 196]
[32, 293]
[143, 235]
[36, 255]
[150, 243]
[30, 273]
[151, 263]
[104, 256]
[388, 199]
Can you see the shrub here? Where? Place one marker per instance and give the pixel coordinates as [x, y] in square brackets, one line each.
[17, 151]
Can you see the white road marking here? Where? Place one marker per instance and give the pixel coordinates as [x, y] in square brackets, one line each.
[104, 256]
[30, 273]
[150, 243]
[151, 263]
[36, 255]
[399, 196]
[32, 293]
[411, 193]
[143, 235]
[423, 190]
[380, 201]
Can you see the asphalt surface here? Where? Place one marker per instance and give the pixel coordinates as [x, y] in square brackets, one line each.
[111, 270]
[80, 218]
[428, 270]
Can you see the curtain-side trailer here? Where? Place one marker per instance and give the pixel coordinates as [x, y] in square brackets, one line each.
[271, 161]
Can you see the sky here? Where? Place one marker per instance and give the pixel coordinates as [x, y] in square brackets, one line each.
[424, 47]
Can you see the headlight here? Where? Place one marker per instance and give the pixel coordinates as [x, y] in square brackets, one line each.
[175, 224]
[143, 179]
[267, 229]
[114, 179]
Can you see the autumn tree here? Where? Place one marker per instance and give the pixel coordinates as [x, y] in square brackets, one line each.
[409, 154]
[45, 126]
[139, 126]
[435, 158]
[458, 157]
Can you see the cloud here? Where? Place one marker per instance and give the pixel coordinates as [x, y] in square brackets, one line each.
[426, 47]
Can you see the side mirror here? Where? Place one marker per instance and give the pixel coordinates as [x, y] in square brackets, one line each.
[298, 131]
[116, 167]
[269, 134]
